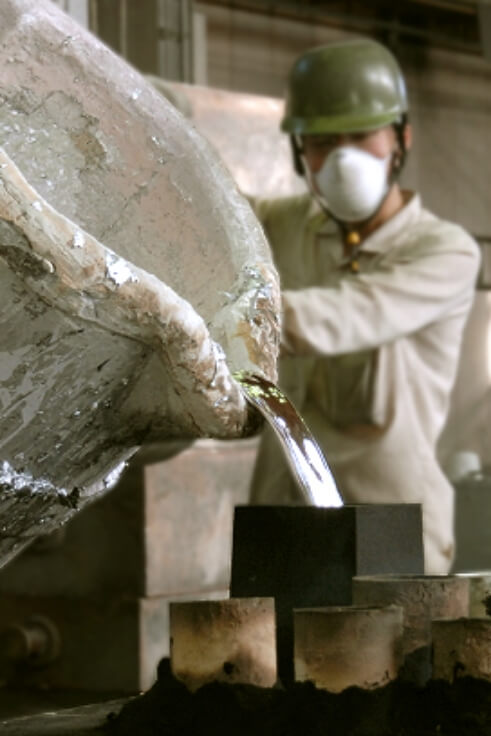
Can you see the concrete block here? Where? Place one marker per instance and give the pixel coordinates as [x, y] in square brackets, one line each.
[188, 515]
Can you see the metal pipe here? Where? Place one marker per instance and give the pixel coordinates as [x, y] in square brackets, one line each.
[292, 11]
[35, 642]
[467, 7]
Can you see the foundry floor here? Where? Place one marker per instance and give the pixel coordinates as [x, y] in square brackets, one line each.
[55, 713]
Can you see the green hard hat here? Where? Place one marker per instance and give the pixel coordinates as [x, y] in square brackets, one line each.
[344, 87]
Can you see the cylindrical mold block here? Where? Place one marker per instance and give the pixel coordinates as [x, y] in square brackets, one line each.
[232, 640]
[342, 646]
[479, 593]
[422, 598]
[462, 648]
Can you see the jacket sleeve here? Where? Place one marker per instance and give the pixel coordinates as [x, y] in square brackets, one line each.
[418, 287]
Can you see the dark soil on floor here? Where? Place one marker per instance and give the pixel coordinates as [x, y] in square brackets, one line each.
[398, 709]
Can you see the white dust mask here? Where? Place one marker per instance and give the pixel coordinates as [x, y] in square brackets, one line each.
[351, 183]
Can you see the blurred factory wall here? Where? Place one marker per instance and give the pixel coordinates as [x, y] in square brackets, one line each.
[162, 37]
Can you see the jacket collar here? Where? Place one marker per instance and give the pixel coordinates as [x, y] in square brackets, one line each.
[382, 239]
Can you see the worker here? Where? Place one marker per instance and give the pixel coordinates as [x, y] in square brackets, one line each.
[376, 292]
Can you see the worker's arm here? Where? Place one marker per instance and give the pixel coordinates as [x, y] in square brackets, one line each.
[419, 287]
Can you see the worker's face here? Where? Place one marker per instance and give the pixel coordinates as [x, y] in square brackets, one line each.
[351, 174]
[315, 148]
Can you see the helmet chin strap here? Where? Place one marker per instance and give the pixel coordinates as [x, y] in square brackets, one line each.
[352, 239]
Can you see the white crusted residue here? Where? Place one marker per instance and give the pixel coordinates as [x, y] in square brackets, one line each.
[13, 480]
[28, 18]
[112, 478]
[218, 352]
[118, 270]
[259, 290]
[37, 206]
[48, 266]
[219, 355]
[78, 240]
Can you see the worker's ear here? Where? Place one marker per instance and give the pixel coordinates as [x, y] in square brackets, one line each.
[407, 136]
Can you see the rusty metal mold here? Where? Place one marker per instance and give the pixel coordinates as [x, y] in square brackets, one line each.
[346, 646]
[230, 641]
[422, 598]
[479, 593]
[461, 648]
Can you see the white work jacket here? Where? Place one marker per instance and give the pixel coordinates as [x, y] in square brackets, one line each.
[374, 355]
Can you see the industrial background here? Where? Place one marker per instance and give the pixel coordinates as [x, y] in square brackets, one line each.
[165, 532]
